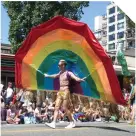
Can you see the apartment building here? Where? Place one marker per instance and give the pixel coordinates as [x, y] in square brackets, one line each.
[100, 27]
[118, 31]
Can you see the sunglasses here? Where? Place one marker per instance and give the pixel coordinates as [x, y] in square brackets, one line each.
[60, 65]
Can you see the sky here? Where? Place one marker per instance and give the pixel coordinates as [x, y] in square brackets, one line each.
[94, 9]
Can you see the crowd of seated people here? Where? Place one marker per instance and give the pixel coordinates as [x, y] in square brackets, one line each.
[21, 107]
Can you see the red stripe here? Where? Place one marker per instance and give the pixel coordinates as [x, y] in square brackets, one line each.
[80, 28]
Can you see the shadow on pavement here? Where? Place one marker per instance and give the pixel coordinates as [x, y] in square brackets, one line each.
[109, 128]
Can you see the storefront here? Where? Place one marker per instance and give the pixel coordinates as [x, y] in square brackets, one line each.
[7, 69]
[123, 80]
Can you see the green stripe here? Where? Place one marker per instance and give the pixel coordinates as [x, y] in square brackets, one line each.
[61, 54]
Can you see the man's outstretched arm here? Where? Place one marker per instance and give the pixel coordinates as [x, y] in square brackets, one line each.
[52, 76]
[76, 78]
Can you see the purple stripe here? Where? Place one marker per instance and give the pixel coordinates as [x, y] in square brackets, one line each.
[56, 84]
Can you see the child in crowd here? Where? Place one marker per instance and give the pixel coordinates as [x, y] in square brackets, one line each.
[29, 117]
[95, 111]
[50, 110]
[38, 114]
[105, 112]
[77, 112]
[23, 113]
[12, 115]
[87, 111]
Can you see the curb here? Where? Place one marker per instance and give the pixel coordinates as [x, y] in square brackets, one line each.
[3, 122]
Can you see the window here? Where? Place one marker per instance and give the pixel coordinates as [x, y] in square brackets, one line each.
[112, 19]
[131, 44]
[112, 10]
[120, 35]
[120, 43]
[111, 37]
[120, 16]
[112, 28]
[120, 26]
[112, 46]
[6, 51]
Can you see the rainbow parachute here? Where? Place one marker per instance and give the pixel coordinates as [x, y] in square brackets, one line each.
[62, 38]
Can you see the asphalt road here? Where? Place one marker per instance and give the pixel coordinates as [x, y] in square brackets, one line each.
[81, 129]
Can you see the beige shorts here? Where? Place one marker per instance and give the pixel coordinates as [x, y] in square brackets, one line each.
[63, 99]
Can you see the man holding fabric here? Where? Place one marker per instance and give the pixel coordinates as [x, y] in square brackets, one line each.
[63, 96]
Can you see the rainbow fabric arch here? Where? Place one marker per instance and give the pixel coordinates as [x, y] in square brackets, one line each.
[62, 38]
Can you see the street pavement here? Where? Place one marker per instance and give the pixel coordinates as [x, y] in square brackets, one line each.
[81, 129]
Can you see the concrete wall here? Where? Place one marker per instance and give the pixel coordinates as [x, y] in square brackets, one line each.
[130, 61]
[98, 23]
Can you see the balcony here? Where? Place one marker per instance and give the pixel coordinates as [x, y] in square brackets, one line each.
[104, 17]
[130, 34]
[104, 25]
[98, 37]
[6, 48]
[104, 35]
[104, 43]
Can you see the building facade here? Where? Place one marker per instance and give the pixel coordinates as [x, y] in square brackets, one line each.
[118, 30]
[7, 65]
[101, 30]
[112, 29]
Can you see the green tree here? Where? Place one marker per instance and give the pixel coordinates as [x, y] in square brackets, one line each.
[26, 14]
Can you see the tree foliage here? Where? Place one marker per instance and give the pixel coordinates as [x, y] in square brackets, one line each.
[26, 14]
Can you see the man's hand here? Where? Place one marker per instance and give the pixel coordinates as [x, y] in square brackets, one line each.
[51, 76]
[84, 78]
[46, 75]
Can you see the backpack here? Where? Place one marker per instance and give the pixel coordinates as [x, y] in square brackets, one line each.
[27, 120]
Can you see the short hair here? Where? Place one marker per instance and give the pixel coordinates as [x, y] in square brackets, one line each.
[63, 61]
